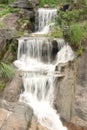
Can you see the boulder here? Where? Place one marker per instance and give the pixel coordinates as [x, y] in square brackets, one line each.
[18, 118]
[24, 4]
[13, 90]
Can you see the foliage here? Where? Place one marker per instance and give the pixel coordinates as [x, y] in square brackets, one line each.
[56, 32]
[2, 85]
[67, 18]
[4, 9]
[6, 1]
[6, 71]
[73, 24]
[75, 35]
[51, 3]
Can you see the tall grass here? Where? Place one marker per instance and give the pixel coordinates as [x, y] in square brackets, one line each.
[6, 71]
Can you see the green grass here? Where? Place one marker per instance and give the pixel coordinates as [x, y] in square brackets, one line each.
[56, 32]
[51, 3]
[76, 35]
[6, 1]
[4, 9]
[6, 71]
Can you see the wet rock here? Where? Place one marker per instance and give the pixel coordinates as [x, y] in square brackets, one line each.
[13, 89]
[54, 48]
[28, 14]
[65, 7]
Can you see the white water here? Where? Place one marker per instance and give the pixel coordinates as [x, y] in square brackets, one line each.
[65, 54]
[34, 58]
[46, 29]
[45, 19]
[39, 95]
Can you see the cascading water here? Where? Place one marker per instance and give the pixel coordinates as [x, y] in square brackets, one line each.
[44, 20]
[35, 59]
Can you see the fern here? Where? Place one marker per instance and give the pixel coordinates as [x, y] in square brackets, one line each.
[5, 70]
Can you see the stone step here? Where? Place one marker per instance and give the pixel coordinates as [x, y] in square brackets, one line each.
[55, 74]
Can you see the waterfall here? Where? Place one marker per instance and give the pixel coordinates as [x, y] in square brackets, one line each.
[44, 20]
[38, 58]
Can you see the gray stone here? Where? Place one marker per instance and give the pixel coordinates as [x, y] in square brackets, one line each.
[80, 103]
[64, 93]
[71, 92]
[13, 90]
[25, 4]
[19, 118]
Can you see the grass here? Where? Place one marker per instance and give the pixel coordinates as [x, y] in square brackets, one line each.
[6, 71]
[56, 32]
[51, 3]
[4, 9]
[76, 35]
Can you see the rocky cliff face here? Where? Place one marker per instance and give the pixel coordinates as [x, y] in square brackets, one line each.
[71, 92]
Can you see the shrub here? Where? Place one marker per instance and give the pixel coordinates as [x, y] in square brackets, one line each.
[75, 35]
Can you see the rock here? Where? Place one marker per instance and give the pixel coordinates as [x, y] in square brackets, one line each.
[71, 92]
[35, 125]
[28, 14]
[46, 6]
[64, 93]
[21, 4]
[19, 117]
[3, 116]
[65, 7]
[71, 126]
[2, 46]
[13, 89]
[25, 4]
[54, 49]
[6, 33]
[80, 103]
[9, 21]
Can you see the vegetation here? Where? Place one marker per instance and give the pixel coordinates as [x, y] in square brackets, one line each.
[5, 9]
[70, 24]
[53, 3]
[73, 25]
[5, 70]
[56, 32]
[6, 73]
[6, 1]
